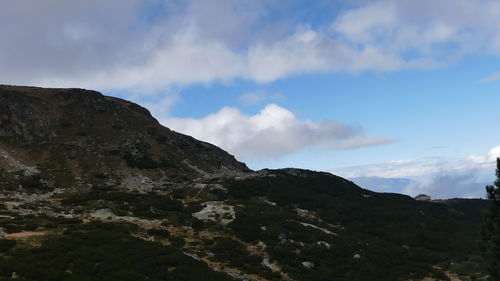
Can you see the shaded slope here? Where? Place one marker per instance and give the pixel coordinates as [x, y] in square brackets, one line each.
[377, 236]
[84, 132]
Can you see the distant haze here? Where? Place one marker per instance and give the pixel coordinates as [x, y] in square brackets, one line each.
[394, 185]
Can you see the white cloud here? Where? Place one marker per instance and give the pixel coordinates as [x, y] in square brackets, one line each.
[45, 42]
[492, 77]
[449, 185]
[92, 44]
[273, 132]
[392, 169]
[303, 52]
[439, 177]
[425, 28]
[485, 161]
[184, 60]
[161, 106]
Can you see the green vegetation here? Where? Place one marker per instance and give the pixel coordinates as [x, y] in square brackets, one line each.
[314, 226]
[103, 251]
[145, 162]
[373, 231]
[233, 253]
[491, 228]
[150, 205]
[31, 182]
[6, 245]
[347, 233]
[16, 223]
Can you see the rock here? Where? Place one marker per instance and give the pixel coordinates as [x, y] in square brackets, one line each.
[216, 211]
[297, 172]
[323, 243]
[30, 171]
[102, 214]
[282, 237]
[217, 186]
[307, 264]
[200, 185]
[356, 256]
[305, 213]
[326, 231]
[20, 120]
[31, 116]
[137, 182]
[274, 267]
[268, 202]
[237, 275]
[71, 145]
[261, 246]
[422, 197]
[192, 255]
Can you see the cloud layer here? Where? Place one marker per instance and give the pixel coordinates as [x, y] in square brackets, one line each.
[439, 177]
[449, 185]
[273, 132]
[158, 43]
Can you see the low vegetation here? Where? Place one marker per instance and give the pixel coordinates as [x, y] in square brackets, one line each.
[102, 251]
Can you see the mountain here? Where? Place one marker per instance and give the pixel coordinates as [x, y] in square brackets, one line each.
[80, 133]
[94, 188]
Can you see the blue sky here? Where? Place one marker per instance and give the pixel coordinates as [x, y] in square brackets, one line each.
[381, 88]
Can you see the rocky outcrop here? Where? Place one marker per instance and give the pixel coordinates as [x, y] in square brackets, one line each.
[211, 154]
[20, 120]
[87, 124]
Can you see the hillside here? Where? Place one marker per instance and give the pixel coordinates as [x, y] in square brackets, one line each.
[94, 188]
[74, 133]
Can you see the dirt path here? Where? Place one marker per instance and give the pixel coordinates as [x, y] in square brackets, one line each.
[24, 235]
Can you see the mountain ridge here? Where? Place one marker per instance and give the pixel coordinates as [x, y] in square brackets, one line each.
[84, 176]
[33, 116]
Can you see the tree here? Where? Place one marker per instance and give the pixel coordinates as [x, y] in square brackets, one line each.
[491, 228]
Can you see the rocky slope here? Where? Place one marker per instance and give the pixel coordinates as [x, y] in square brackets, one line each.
[93, 188]
[85, 133]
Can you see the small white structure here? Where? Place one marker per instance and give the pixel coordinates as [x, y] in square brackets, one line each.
[422, 197]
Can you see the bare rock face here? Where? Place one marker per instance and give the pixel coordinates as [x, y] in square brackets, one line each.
[211, 154]
[20, 120]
